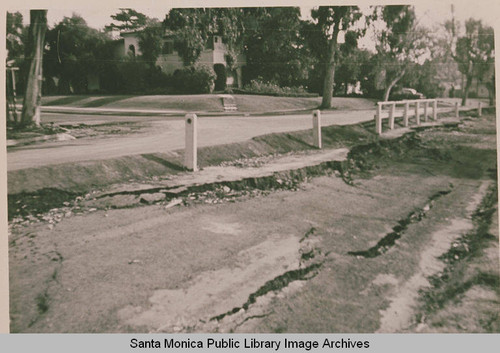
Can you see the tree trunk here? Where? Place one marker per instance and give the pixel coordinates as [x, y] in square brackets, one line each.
[33, 93]
[330, 68]
[387, 91]
[468, 84]
[465, 95]
[491, 92]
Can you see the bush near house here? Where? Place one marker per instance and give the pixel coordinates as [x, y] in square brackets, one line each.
[272, 89]
[220, 81]
[194, 79]
[133, 77]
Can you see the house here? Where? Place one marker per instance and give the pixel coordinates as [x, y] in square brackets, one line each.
[213, 55]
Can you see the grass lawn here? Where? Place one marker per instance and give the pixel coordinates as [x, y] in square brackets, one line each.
[205, 102]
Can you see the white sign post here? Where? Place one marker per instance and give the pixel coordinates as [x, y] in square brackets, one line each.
[317, 128]
[191, 151]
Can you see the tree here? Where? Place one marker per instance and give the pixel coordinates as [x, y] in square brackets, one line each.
[475, 55]
[399, 44]
[274, 46]
[75, 51]
[33, 93]
[15, 43]
[129, 19]
[352, 60]
[194, 27]
[16, 35]
[330, 20]
[424, 78]
[150, 39]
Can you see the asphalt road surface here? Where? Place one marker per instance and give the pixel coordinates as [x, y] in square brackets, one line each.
[164, 134]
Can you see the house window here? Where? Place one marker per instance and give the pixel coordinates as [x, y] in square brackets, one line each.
[168, 47]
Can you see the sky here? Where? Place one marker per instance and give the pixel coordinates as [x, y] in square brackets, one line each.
[430, 12]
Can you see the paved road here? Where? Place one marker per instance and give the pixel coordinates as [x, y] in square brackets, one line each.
[164, 134]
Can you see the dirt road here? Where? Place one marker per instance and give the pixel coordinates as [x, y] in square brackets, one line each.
[330, 249]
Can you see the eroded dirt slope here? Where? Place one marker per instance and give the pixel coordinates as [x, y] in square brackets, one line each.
[337, 250]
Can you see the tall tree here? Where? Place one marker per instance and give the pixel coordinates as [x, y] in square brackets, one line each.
[33, 93]
[16, 35]
[74, 51]
[194, 27]
[352, 60]
[274, 45]
[128, 19]
[150, 41]
[399, 44]
[330, 21]
[475, 54]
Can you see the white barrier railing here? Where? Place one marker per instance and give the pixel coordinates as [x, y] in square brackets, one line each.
[406, 104]
[191, 136]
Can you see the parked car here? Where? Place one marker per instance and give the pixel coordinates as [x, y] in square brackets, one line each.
[405, 93]
[412, 92]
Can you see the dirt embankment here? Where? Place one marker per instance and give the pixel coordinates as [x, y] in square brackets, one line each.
[59, 183]
[281, 253]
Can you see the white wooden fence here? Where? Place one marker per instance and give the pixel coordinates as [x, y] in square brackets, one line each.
[407, 105]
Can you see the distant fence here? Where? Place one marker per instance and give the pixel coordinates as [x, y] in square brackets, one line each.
[415, 105]
[407, 104]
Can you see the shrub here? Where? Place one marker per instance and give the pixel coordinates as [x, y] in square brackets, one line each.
[194, 79]
[133, 77]
[272, 89]
[220, 81]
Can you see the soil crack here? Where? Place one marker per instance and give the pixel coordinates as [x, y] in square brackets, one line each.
[389, 240]
[274, 285]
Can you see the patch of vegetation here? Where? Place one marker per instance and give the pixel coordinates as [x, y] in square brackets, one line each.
[364, 159]
[275, 284]
[35, 203]
[268, 88]
[104, 101]
[42, 302]
[456, 279]
[16, 132]
[67, 100]
[389, 240]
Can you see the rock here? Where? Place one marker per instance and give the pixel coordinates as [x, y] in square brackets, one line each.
[64, 137]
[226, 189]
[152, 198]
[173, 203]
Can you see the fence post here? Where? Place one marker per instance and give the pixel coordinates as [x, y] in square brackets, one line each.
[391, 116]
[378, 119]
[456, 110]
[417, 113]
[405, 114]
[480, 109]
[426, 110]
[317, 128]
[191, 151]
[434, 110]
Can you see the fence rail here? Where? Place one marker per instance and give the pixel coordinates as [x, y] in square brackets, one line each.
[406, 104]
